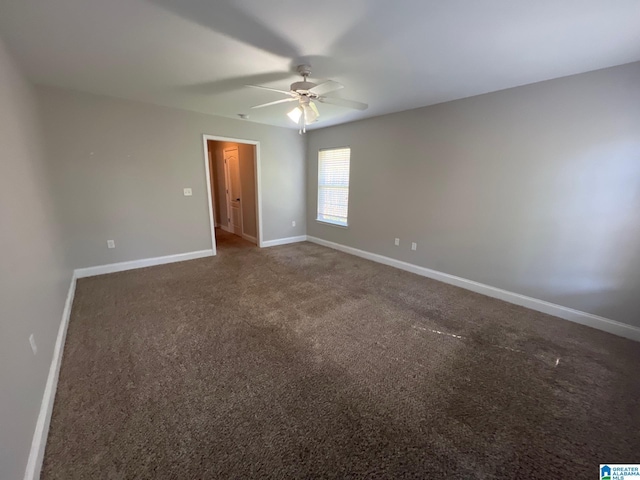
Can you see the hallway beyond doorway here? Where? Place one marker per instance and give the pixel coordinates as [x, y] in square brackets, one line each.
[232, 170]
[226, 241]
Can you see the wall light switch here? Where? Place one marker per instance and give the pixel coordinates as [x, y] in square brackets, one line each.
[32, 342]
[111, 244]
[188, 192]
[414, 246]
[293, 224]
[396, 242]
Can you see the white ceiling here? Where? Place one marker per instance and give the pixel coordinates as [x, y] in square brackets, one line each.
[393, 55]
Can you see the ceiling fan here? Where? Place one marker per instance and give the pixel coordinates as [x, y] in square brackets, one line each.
[305, 93]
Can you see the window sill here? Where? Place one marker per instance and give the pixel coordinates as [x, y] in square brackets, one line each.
[322, 222]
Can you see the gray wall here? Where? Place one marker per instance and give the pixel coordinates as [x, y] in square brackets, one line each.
[33, 279]
[535, 189]
[120, 168]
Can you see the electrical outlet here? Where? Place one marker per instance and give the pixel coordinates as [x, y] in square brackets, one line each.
[414, 246]
[396, 242]
[293, 224]
[111, 244]
[188, 192]
[32, 341]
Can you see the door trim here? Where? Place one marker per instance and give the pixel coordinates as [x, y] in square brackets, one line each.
[210, 181]
[258, 180]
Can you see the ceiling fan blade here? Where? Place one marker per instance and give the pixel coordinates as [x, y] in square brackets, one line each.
[285, 100]
[344, 102]
[270, 89]
[326, 87]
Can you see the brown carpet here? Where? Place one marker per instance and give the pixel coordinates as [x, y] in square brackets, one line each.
[302, 362]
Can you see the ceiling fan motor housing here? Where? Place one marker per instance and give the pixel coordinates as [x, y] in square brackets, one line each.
[302, 86]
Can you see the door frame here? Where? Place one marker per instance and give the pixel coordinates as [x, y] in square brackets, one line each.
[210, 180]
[258, 182]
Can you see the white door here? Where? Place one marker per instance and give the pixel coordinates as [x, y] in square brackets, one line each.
[232, 180]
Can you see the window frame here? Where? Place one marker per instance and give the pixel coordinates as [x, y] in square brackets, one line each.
[324, 221]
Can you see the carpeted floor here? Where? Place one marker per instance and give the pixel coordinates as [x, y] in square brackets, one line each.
[302, 362]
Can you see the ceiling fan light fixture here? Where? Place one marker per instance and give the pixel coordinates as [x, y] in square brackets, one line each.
[310, 113]
[295, 114]
[304, 92]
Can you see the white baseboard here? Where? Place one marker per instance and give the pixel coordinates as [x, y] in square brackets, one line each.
[584, 318]
[39, 442]
[284, 241]
[249, 238]
[225, 228]
[145, 262]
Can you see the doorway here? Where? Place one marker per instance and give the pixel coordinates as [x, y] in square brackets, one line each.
[233, 185]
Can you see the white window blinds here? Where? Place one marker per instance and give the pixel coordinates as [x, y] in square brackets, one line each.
[333, 185]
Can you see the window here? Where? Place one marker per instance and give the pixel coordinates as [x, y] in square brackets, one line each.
[333, 185]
